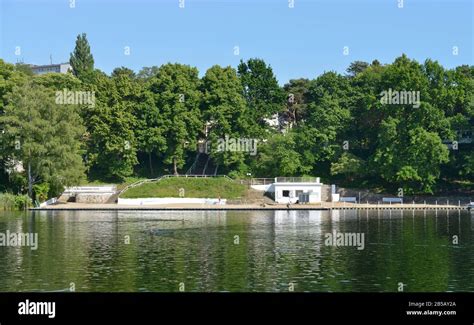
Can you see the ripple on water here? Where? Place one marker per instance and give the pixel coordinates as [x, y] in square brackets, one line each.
[274, 248]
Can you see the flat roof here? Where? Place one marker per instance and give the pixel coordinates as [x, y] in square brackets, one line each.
[47, 65]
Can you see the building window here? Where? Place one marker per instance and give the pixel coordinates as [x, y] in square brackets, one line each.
[286, 193]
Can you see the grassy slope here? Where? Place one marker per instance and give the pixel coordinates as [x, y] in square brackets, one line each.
[120, 185]
[193, 187]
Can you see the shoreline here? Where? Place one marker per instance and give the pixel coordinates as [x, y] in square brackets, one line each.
[326, 206]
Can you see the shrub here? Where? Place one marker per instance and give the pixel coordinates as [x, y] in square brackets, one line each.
[41, 191]
[7, 201]
[10, 201]
[22, 202]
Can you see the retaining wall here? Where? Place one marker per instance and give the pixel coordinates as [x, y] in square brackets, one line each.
[170, 200]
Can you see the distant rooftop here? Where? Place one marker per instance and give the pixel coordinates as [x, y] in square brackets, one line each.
[58, 68]
[47, 65]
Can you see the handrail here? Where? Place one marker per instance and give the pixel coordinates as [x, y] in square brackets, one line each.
[137, 183]
[262, 181]
[194, 163]
[297, 179]
[205, 166]
[85, 189]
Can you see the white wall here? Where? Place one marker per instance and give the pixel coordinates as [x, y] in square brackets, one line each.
[264, 188]
[279, 188]
[169, 200]
[93, 197]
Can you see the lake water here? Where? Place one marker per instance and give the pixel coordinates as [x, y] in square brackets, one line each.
[265, 251]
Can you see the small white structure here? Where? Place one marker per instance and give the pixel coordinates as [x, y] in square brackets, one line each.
[334, 196]
[88, 194]
[51, 201]
[290, 189]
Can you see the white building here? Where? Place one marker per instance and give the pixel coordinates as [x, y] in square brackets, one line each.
[57, 68]
[293, 189]
[273, 121]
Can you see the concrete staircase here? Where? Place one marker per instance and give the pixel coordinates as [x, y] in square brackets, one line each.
[88, 194]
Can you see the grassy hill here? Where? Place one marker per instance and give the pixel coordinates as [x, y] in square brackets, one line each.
[212, 187]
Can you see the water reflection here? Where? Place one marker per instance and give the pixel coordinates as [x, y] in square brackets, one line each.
[239, 251]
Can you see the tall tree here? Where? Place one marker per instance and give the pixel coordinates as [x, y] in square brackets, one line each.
[150, 127]
[9, 78]
[81, 59]
[112, 145]
[296, 101]
[177, 97]
[357, 67]
[44, 136]
[279, 156]
[147, 73]
[320, 135]
[264, 96]
[410, 151]
[225, 111]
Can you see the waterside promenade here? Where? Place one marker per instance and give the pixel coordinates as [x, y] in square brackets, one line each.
[253, 206]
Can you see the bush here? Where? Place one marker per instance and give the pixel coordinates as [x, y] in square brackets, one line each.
[41, 191]
[10, 201]
[22, 202]
[7, 201]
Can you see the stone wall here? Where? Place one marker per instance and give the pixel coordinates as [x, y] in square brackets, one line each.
[170, 200]
[325, 193]
[93, 197]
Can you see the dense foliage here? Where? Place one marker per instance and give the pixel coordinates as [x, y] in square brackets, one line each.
[150, 123]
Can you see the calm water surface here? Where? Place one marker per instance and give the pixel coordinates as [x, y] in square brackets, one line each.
[238, 251]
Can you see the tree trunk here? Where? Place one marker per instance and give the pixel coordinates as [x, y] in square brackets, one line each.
[30, 182]
[151, 165]
[174, 166]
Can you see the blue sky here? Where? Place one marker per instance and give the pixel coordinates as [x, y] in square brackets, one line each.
[300, 42]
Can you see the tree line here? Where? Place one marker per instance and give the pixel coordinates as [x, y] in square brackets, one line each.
[148, 123]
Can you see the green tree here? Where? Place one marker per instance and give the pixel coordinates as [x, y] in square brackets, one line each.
[468, 165]
[320, 135]
[357, 67]
[296, 101]
[410, 151]
[225, 112]
[9, 78]
[278, 157]
[147, 73]
[177, 99]
[44, 136]
[264, 96]
[81, 59]
[124, 71]
[150, 128]
[349, 165]
[110, 122]
[41, 191]
[24, 68]
[410, 159]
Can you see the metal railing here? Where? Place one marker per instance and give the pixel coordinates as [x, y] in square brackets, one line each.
[262, 181]
[90, 189]
[297, 179]
[194, 164]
